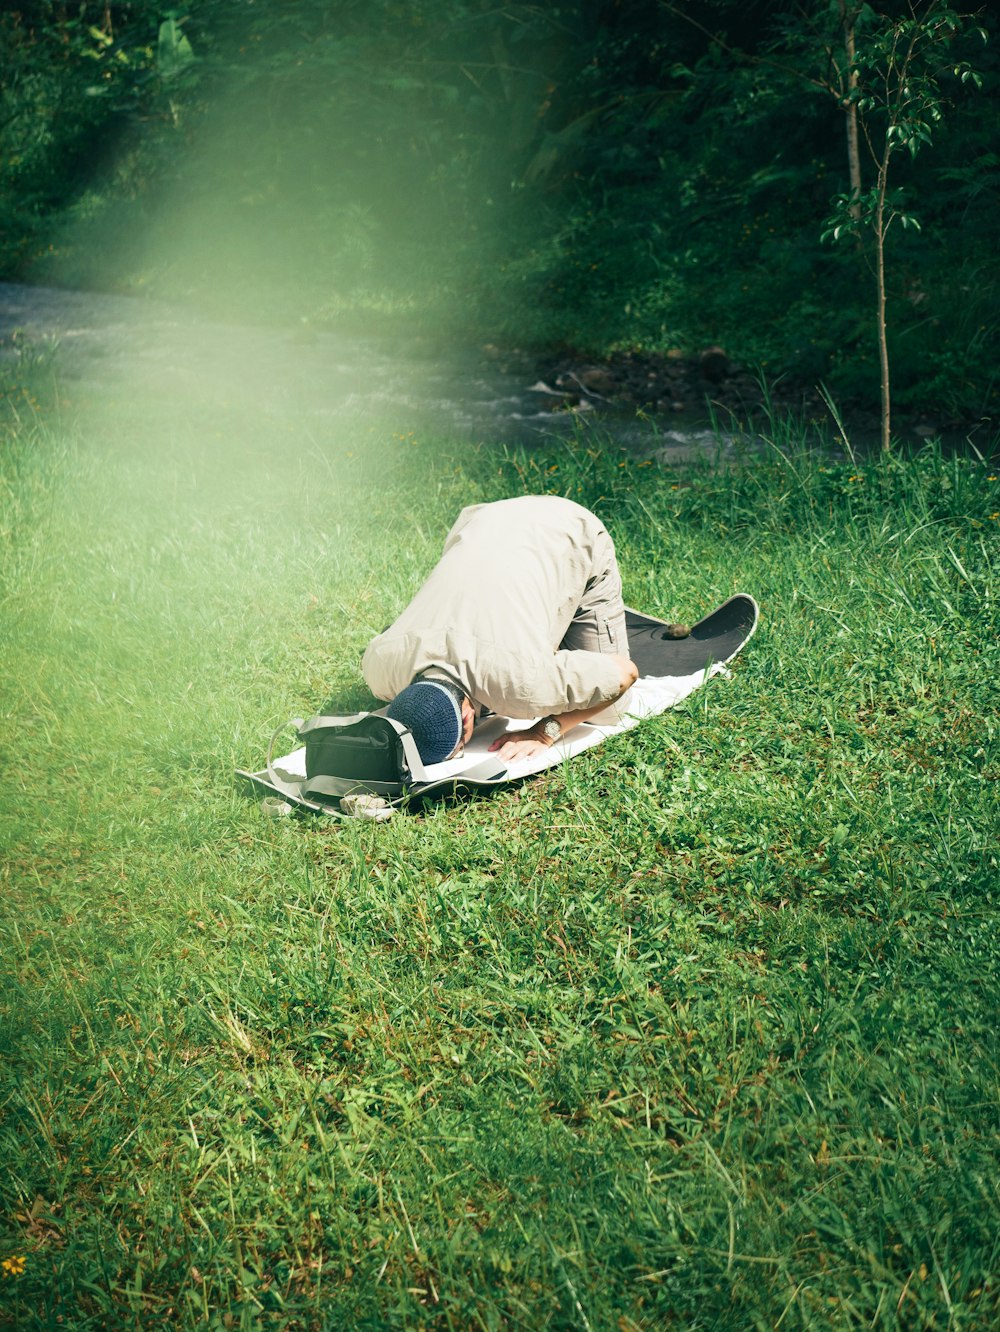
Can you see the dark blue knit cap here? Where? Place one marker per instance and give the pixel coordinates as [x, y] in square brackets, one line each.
[433, 712]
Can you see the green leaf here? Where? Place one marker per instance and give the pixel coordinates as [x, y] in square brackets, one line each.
[173, 51]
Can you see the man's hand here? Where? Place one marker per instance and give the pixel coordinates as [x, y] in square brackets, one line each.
[516, 746]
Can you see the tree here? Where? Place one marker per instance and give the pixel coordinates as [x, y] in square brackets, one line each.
[887, 73]
[898, 99]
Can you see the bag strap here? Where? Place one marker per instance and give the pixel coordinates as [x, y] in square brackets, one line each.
[289, 788]
[321, 722]
[335, 787]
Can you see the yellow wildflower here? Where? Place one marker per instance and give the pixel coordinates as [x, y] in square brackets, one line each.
[12, 1267]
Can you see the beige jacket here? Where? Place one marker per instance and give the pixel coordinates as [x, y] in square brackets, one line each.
[495, 609]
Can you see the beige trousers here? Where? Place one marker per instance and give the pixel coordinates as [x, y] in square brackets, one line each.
[599, 623]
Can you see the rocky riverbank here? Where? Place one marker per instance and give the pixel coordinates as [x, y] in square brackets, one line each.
[707, 387]
[668, 403]
[673, 383]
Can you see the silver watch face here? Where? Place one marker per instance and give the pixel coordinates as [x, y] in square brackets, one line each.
[551, 729]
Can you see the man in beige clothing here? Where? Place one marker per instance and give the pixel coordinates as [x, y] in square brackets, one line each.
[522, 616]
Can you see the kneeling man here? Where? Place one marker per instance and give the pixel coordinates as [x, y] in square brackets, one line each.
[522, 616]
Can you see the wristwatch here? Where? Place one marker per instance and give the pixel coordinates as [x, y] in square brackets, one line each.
[551, 729]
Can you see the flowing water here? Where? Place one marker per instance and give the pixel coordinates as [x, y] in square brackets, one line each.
[112, 343]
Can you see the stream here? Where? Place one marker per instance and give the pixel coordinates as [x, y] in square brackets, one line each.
[125, 343]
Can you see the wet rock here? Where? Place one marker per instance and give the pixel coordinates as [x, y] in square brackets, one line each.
[714, 364]
[595, 379]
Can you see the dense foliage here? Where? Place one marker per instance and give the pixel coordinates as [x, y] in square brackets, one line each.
[650, 176]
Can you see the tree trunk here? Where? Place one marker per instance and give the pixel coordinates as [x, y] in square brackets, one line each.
[883, 344]
[850, 105]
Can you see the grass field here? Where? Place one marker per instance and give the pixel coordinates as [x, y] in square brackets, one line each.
[698, 1031]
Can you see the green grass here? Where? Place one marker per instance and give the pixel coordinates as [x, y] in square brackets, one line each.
[699, 1031]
